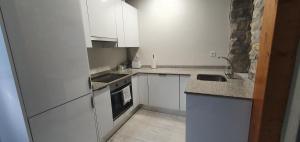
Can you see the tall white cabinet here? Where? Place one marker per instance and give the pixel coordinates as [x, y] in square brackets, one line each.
[164, 91]
[50, 58]
[47, 43]
[71, 122]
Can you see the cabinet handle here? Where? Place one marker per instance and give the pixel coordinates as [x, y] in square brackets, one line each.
[92, 101]
[89, 83]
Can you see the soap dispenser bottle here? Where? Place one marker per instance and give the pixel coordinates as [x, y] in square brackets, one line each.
[153, 66]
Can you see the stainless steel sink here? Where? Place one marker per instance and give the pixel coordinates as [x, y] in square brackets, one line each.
[210, 77]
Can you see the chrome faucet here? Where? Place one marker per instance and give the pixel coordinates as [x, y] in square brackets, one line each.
[230, 73]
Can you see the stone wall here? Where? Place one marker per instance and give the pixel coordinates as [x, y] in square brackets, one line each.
[255, 33]
[240, 38]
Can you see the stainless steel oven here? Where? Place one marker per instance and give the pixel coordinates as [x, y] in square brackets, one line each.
[118, 102]
[120, 89]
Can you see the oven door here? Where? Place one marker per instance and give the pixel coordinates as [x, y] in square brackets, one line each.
[117, 102]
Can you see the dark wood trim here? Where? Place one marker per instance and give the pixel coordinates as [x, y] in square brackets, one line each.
[278, 44]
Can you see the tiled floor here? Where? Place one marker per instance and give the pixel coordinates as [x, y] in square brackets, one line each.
[149, 126]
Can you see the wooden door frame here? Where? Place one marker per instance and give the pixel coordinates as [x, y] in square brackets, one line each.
[279, 40]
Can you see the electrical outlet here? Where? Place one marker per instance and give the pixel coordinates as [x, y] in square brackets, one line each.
[212, 54]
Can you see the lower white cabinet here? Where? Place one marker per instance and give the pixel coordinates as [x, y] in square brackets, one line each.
[71, 122]
[217, 119]
[143, 89]
[183, 83]
[164, 91]
[135, 91]
[103, 109]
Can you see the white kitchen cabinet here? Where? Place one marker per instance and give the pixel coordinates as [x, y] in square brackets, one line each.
[120, 23]
[85, 21]
[131, 27]
[135, 91]
[183, 83]
[49, 51]
[102, 20]
[164, 91]
[217, 119]
[102, 102]
[143, 89]
[71, 122]
[127, 25]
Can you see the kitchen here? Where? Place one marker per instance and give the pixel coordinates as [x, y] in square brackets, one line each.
[134, 70]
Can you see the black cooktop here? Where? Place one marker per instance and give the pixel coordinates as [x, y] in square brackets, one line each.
[109, 77]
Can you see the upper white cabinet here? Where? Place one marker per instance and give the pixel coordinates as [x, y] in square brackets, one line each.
[127, 25]
[120, 23]
[164, 91]
[131, 28]
[103, 109]
[110, 20]
[49, 51]
[102, 19]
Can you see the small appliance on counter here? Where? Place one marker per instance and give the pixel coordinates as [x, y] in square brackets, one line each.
[121, 68]
[136, 63]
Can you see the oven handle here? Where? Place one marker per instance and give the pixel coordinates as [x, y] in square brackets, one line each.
[93, 101]
[113, 93]
[116, 92]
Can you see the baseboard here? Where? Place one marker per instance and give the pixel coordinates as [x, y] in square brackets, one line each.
[164, 110]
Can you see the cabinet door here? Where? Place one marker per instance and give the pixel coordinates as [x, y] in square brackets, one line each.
[131, 27]
[135, 91]
[49, 51]
[217, 119]
[183, 82]
[143, 89]
[71, 122]
[85, 21]
[120, 23]
[102, 18]
[104, 111]
[164, 91]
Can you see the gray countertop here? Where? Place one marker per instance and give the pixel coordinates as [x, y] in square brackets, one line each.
[235, 88]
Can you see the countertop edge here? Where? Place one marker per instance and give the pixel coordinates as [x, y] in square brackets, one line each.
[182, 71]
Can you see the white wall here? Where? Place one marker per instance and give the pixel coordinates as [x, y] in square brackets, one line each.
[291, 124]
[12, 124]
[182, 32]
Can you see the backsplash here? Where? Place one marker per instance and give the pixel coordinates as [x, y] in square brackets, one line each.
[106, 57]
